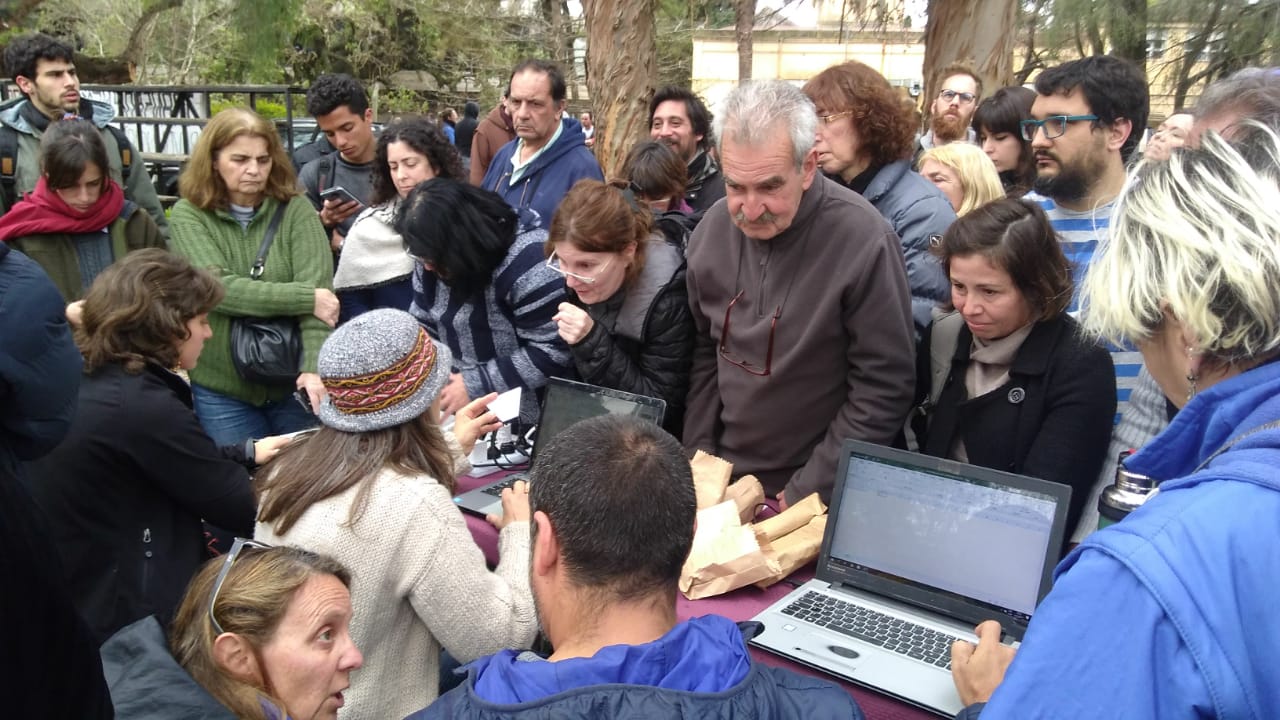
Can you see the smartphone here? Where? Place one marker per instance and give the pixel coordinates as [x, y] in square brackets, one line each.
[340, 195]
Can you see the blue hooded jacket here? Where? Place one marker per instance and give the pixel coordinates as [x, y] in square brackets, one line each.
[547, 179]
[1171, 613]
[701, 668]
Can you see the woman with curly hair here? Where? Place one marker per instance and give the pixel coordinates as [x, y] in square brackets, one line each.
[864, 142]
[374, 271]
[126, 490]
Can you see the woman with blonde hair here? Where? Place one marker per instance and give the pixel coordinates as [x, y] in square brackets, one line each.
[262, 634]
[374, 488]
[964, 174]
[236, 187]
[1171, 611]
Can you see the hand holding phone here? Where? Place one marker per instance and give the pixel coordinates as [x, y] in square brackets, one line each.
[339, 204]
[339, 195]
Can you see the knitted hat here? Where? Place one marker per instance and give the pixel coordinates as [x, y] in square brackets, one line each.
[381, 369]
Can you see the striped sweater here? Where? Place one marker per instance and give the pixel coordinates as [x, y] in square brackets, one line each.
[505, 338]
[298, 262]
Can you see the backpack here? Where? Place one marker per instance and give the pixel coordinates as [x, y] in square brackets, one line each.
[676, 227]
[9, 160]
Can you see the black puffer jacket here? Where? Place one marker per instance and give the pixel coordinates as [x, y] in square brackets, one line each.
[641, 340]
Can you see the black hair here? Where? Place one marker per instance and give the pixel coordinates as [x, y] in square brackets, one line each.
[1115, 88]
[471, 109]
[619, 493]
[552, 70]
[699, 117]
[1003, 113]
[66, 149]
[1017, 237]
[423, 137]
[25, 52]
[330, 92]
[464, 232]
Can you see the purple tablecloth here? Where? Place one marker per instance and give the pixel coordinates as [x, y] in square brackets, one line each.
[739, 605]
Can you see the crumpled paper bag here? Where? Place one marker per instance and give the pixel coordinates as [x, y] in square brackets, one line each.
[710, 478]
[794, 536]
[726, 554]
[748, 494]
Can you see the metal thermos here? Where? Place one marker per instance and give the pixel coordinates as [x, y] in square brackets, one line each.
[1128, 493]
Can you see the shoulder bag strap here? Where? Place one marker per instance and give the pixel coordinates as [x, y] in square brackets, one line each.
[261, 262]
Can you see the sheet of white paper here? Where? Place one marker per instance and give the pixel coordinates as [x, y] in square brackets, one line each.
[507, 405]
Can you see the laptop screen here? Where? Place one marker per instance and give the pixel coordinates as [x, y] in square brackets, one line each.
[941, 528]
[568, 402]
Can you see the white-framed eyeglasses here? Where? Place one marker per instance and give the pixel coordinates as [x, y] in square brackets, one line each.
[553, 262]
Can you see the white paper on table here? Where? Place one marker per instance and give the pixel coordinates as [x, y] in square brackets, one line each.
[722, 534]
[507, 405]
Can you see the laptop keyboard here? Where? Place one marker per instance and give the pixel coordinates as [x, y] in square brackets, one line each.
[496, 489]
[886, 631]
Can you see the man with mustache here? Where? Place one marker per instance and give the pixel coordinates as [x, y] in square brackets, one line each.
[800, 298]
[679, 120]
[952, 110]
[549, 154]
[44, 70]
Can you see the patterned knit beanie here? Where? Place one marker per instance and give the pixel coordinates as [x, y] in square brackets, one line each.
[381, 369]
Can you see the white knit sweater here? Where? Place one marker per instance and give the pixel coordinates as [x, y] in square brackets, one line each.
[418, 582]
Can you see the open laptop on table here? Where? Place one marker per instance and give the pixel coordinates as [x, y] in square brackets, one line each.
[565, 403]
[918, 550]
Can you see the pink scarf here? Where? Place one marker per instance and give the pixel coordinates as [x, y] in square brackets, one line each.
[43, 212]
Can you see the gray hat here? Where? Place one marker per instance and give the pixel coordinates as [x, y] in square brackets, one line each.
[381, 369]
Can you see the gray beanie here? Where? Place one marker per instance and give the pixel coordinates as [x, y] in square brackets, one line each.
[381, 369]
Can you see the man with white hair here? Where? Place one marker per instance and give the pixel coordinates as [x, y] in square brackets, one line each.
[799, 293]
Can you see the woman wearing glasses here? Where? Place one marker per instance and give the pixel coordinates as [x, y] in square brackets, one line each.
[864, 141]
[627, 318]
[127, 489]
[373, 270]
[998, 121]
[262, 633]
[481, 287]
[374, 488]
[1007, 381]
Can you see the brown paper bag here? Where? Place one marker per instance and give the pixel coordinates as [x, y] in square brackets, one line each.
[710, 478]
[726, 555]
[747, 493]
[794, 517]
[796, 549]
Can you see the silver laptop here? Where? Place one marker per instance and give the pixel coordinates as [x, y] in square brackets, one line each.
[565, 403]
[918, 550]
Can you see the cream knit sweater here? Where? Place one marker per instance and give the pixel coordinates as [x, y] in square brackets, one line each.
[418, 582]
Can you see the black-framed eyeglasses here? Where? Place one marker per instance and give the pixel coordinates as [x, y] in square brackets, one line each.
[965, 98]
[1054, 126]
[230, 559]
[746, 364]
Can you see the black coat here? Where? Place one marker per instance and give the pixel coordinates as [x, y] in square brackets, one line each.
[1051, 420]
[126, 491]
[657, 365]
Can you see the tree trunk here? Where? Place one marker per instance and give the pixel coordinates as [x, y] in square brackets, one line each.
[980, 33]
[622, 73]
[1128, 25]
[744, 13]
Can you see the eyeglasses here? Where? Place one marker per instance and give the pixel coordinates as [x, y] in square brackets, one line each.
[553, 262]
[746, 364]
[228, 561]
[1054, 125]
[965, 98]
[828, 119]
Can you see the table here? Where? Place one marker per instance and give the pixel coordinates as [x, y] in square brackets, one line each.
[739, 605]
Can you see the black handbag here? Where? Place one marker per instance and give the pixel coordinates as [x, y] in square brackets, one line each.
[266, 350]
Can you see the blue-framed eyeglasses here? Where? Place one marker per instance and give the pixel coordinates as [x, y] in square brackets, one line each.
[1054, 126]
[232, 555]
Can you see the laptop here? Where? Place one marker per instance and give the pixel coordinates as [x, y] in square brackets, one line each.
[918, 550]
[564, 403]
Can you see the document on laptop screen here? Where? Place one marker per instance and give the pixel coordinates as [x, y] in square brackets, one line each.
[945, 532]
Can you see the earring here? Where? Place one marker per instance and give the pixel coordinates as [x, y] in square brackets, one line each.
[1191, 389]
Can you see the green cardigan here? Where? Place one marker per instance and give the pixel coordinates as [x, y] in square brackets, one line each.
[299, 262]
[133, 230]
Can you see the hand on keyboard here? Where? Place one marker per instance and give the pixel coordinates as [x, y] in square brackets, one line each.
[979, 670]
[515, 505]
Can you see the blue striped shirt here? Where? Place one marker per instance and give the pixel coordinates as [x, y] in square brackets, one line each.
[1080, 232]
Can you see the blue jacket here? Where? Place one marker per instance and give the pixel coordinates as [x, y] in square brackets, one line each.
[1171, 613]
[700, 669]
[547, 179]
[39, 363]
[916, 209]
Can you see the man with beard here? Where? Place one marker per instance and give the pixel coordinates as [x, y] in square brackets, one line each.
[952, 109]
[679, 120]
[606, 599]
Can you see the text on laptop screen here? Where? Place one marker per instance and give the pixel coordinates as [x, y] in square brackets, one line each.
[942, 532]
[567, 404]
